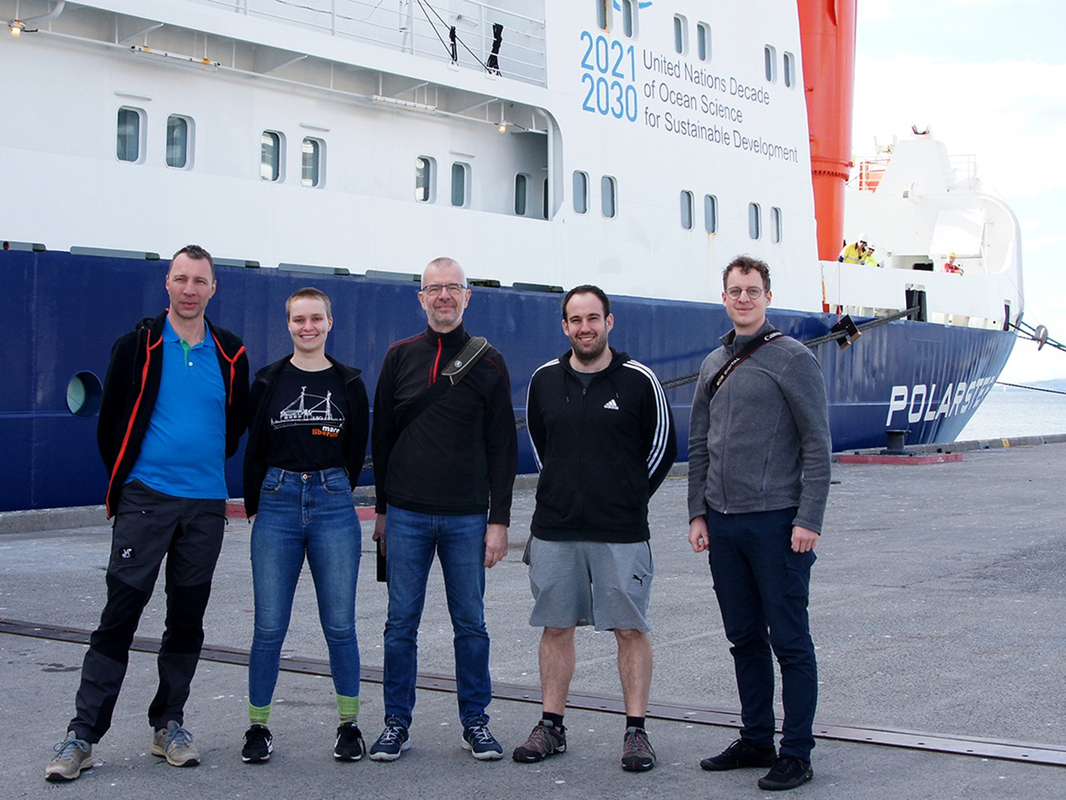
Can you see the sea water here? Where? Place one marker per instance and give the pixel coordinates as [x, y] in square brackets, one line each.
[1008, 412]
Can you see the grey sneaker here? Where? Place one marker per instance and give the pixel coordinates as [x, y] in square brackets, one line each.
[72, 756]
[174, 743]
[637, 752]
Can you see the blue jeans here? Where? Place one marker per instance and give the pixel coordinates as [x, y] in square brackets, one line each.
[762, 589]
[411, 539]
[300, 514]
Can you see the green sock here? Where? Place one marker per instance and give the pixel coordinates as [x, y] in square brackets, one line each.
[258, 715]
[348, 708]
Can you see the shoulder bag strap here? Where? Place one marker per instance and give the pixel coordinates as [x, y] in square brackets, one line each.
[735, 361]
[454, 372]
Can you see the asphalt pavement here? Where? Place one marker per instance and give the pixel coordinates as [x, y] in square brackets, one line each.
[936, 607]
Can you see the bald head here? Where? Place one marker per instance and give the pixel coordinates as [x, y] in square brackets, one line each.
[444, 295]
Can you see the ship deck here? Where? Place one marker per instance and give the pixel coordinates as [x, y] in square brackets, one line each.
[936, 608]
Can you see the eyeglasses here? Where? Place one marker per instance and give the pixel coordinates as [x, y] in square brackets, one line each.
[434, 289]
[754, 292]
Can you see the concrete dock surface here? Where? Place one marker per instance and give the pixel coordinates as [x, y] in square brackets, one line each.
[937, 607]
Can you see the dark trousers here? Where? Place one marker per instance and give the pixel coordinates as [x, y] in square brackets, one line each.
[762, 589]
[148, 526]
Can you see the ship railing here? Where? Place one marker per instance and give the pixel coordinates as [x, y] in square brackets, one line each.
[419, 28]
[870, 173]
[964, 171]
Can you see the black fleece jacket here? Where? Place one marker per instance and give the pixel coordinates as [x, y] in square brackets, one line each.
[459, 456]
[602, 450]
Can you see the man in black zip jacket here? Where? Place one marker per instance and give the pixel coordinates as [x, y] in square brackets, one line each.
[174, 407]
[603, 437]
[443, 472]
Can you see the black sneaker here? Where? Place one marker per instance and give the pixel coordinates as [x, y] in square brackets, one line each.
[258, 745]
[545, 740]
[788, 772]
[637, 752]
[481, 743]
[350, 745]
[741, 753]
[393, 741]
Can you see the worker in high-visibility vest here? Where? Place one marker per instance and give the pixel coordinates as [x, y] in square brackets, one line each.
[854, 253]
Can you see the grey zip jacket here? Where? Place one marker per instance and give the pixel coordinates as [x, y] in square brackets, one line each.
[762, 442]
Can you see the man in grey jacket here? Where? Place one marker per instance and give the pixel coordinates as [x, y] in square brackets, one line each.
[759, 450]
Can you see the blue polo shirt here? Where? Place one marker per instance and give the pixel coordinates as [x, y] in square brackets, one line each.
[184, 449]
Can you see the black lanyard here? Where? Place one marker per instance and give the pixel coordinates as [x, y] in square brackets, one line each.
[734, 362]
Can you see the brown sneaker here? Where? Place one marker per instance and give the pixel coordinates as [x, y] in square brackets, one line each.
[174, 743]
[73, 755]
[545, 740]
[637, 752]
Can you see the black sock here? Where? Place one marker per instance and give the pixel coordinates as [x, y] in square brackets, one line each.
[556, 720]
[635, 722]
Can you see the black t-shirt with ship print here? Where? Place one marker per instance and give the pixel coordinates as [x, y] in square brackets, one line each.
[307, 413]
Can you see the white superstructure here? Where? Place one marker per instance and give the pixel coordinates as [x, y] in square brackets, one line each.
[638, 145]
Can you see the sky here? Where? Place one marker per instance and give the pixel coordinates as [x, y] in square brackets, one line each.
[989, 78]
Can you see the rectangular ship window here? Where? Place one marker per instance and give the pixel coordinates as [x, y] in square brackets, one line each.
[608, 196]
[686, 209]
[581, 192]
[425, 179]
[128, 140]
[680, 34]
[703, 41]
[754, 221]
[179, 141]
[521, 194]
[629, 21]
[460, 177]
[710, 213]
[603, 14]
[270, 161]
[770, 63]
[312, 157]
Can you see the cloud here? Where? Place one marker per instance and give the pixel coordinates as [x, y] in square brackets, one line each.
[876, 10]
[1012, 114]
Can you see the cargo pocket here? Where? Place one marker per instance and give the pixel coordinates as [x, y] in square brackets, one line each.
[798, 573]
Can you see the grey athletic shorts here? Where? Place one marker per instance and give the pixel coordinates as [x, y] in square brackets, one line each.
[606, 584]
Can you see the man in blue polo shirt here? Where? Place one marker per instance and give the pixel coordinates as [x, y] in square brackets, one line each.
[174, 407]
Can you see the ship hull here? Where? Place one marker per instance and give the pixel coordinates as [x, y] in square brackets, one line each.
[64, 311]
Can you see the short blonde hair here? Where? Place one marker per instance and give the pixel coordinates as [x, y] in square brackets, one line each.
[311, 293]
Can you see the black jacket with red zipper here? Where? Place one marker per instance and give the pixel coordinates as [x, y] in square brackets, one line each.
[460, 455]
[131, 388]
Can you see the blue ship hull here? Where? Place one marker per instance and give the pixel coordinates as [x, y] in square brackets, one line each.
[64, 311]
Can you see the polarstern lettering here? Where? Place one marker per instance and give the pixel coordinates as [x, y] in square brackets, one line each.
[924, 403]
